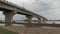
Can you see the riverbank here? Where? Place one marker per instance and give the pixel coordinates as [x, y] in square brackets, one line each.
[34, 30]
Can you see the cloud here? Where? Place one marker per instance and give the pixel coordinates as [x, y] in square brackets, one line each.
[49, 9]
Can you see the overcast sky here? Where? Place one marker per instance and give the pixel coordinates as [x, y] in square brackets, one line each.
[47, 8]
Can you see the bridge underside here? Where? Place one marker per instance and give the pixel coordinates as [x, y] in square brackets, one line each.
[3, 9]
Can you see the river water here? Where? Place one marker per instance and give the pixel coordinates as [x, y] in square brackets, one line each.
[48, 22]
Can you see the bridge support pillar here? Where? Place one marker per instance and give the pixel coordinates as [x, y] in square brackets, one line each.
[44, 20]
[8, 17]
[29, 19]
[39, 20]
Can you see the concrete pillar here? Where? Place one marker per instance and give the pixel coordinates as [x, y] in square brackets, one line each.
[8, 17]
[44, 20]
[29, 19]
[39, 20]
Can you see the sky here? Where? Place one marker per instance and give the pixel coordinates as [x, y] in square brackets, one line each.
[49, 9]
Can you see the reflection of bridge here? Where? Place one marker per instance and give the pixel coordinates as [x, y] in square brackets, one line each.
[10, 9]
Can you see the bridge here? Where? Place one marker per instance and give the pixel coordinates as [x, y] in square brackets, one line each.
[9, 10]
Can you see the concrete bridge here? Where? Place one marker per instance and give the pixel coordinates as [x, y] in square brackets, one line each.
[9, 10]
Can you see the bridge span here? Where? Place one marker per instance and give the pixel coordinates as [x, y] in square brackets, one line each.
[9, 10]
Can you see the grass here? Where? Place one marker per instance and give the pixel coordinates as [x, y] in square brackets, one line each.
[5, 31]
